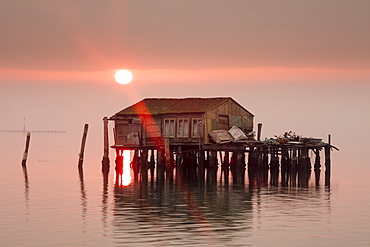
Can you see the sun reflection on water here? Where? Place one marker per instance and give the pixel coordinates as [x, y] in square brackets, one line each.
[126, 175]
[123, 176]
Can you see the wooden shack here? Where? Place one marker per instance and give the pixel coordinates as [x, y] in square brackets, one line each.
[184, 122]
[190, 132]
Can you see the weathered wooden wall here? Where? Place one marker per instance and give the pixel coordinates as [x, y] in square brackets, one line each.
[149, 127]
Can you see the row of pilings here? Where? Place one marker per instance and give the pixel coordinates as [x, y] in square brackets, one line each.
[293, 163]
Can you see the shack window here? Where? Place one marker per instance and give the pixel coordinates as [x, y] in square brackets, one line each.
[169, 127]
[197, 127]
[223, 122]
[183, 127]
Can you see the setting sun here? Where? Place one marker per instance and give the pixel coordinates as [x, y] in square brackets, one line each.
[123, 76]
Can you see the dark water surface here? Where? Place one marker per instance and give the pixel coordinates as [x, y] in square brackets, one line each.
[51, 204]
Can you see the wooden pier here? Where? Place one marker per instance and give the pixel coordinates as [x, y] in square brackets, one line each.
[208, 133]
[292, 160]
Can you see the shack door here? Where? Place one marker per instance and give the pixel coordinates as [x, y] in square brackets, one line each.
[127, 133]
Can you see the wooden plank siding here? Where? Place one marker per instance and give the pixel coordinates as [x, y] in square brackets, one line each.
[164, 118]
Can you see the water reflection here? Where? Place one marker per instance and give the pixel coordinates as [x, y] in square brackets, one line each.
[83, 196]
[183, 203]
[123, 169]
[26, 192]
[104, 204]
[210, 206]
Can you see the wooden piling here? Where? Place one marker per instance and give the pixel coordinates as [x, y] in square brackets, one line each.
[317, 159]
[212, 175]
[179, 156]
[160, 168]
[226, 171]
[213, 159]
[259, 157]
[25, 154]
[327, 165]
[136, 164]
[105, 160]
[327, 155]
[251, 158]
[294, 159]
[240, 159]
[201, 158]
[285, 161]
[81, 155]
[226, 160]
[259, 131]
[304, 160]
[160, 157]
[144, 165]
[233, 160]
[193, 159]
[119, 169]
[167, 152]
[265, 160]
[152, 165]
[274, 160]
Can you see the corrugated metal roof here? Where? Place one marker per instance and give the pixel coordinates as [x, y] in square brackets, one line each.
[156, 106]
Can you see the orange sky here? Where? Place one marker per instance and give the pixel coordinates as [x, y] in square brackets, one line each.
[167, 34]
[58, 58]
[193, 76]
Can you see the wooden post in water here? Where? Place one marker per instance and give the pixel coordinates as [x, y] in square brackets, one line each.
[274, 160]
[144, 165]
[167, 152]
[119, 167]
[193, 159]
[304, 159]
[327, 165]
[201, 158]
[259, 131]
[294, 158]
[105, 161]
[265, 159]
[213, 159]
[179, 156]
[81, 155]
[152, 165]
[226, 160]
[25, 154]
[226, 167]
[284, 159]
[160, 167]
[239, 159]
[317, 159]
[136, 164]
[251, 158]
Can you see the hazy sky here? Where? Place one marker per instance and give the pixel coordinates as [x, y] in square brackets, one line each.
[184, 34]
[297, 65]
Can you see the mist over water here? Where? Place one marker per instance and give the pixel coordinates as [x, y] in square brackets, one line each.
[53, 205]
[301, 67]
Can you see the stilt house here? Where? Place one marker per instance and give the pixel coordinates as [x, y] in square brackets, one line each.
[183, 122]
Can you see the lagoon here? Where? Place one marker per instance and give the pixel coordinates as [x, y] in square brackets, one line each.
[53, 205]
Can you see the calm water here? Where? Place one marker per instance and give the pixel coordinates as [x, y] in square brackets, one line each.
[52, 205]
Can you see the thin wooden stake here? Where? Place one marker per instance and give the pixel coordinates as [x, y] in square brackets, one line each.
[24, 160]
[81, 155]
[105, 161]
[259, 131]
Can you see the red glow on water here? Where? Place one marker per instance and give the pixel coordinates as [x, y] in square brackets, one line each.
[126, 175]
[123, 176]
